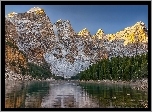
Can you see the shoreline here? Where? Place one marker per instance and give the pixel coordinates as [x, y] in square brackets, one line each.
[11, 76]
[138, 84]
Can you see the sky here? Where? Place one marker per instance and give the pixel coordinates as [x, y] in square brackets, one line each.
[109, 18]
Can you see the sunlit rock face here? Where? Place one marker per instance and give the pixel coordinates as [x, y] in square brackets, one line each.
[128, 42]
[14, 58]
[100, 34]
[66, 51]
[136, 33]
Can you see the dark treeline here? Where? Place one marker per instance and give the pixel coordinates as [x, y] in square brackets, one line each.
[38, 72]
[117, 68]
[41, 72]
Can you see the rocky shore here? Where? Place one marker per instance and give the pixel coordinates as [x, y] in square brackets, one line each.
[12, 76]
[138, 84]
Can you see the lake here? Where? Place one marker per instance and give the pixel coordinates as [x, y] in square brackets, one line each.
[70, 94]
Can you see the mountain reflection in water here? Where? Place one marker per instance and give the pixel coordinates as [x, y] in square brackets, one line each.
[63, 94]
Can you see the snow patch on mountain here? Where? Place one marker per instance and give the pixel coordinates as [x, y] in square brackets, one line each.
[63, 68]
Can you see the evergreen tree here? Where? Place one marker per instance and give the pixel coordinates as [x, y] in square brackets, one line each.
[116, 68]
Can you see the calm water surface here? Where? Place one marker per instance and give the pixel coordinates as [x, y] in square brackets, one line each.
[64, 94]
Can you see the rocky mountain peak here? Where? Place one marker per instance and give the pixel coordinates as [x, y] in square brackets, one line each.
[11, 14]
[99, 34]
[84, 33]
[140, 23]
[137, 32]
[36, 10]
[64, 29]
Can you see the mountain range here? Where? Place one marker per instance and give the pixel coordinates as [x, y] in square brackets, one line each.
[31, 37]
